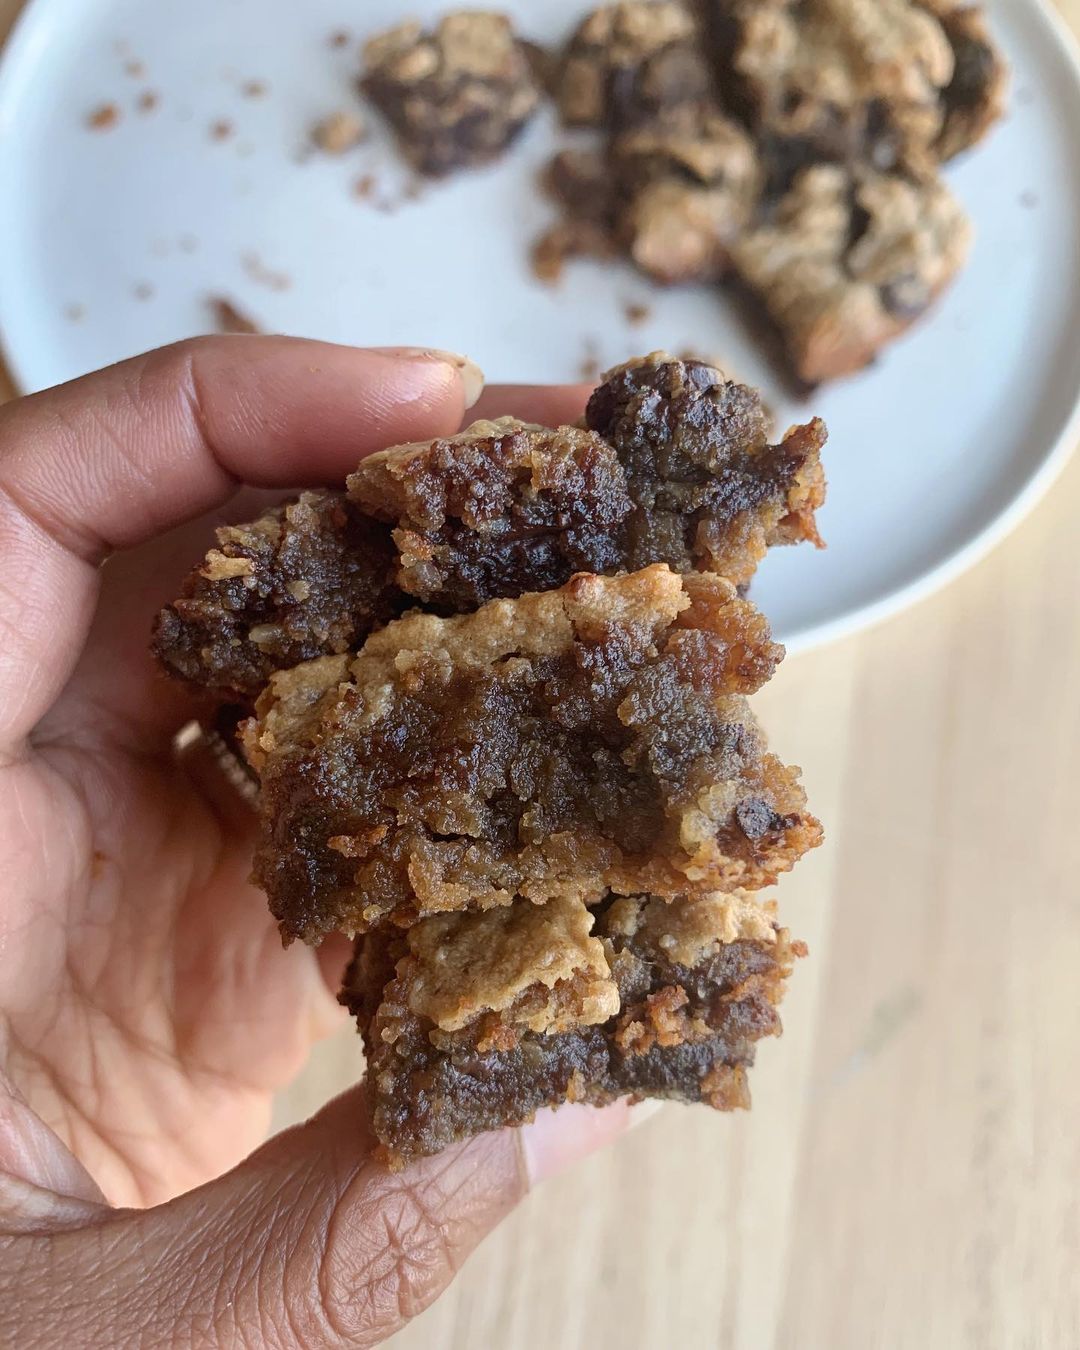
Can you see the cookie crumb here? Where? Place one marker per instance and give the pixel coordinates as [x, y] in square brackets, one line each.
[221, 130]
[637, 312]
[265, 276]
[229, 319]
[590, 367]
[103, 117]
[74, 312]
[547, 258]
[364, 186]
[136, 69]
[147, 101]
[254, 89]
[565, 241]
[142, 290]
[339, 39]
[339, 132]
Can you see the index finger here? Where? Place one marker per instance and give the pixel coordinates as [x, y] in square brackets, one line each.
[117, 674]
[119, 456]
[550, 405]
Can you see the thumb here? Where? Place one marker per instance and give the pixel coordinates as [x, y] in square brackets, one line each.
[312, 1242]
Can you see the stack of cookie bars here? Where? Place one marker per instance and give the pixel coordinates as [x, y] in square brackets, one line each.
[495, 697]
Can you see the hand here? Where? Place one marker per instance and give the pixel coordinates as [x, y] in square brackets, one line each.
[147, 1009]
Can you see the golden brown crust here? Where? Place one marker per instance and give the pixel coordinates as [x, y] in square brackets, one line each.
[461, 966]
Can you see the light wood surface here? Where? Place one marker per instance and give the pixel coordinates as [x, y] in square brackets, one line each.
[910, 1174]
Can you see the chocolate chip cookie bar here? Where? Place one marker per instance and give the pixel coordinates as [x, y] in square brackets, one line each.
[456, 96]
[473, 1021]
[568, 742]
[310, 577]
[674, 464]
[848, 261]
[678, 179]
[493, 702]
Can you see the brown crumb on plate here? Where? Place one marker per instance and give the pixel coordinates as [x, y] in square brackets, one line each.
[339, 131]
[254, 89]
[103, 118]
[229, 319]
[590, 367]
[637, 311]
[142, 290]
[147, 101]
[221, 130]
[258, 271]
[340, 38]
[565, 240]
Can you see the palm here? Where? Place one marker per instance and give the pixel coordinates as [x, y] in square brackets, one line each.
[151, 1010]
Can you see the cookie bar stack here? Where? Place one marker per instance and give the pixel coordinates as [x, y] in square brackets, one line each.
[498, 695]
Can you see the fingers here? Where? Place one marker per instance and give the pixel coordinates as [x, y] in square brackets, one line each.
[118, 457]
[117, 675]
[548, 405]
[40, 1179]
[311, 1242]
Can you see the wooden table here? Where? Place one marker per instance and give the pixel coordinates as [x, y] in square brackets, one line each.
[910, 1175]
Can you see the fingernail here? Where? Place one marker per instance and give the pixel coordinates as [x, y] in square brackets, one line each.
[557, 1139]
[469, 373]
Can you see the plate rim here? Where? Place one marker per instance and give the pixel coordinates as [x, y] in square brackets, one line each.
[31, 27]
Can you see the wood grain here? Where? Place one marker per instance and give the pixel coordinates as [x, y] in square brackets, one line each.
[910, 1175]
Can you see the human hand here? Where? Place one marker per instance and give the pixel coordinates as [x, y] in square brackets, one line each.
[147, 1010]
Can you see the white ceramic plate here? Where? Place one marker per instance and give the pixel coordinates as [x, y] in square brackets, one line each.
[111, 241]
